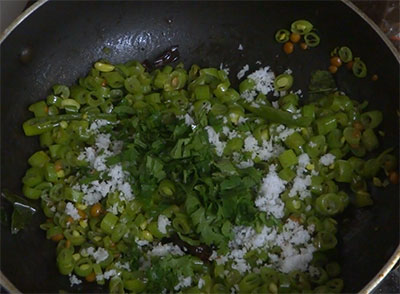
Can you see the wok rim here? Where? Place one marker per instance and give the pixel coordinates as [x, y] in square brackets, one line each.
[11, 288]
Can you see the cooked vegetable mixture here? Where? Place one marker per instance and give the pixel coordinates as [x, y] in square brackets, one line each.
[173, 181]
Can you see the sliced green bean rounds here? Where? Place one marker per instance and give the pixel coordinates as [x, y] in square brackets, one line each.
[345, 54]
[149, 179]
[359, 68]
[311, 39]
[283, 82]
[104, 67]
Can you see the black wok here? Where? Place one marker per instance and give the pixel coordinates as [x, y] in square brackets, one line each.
[67, 37]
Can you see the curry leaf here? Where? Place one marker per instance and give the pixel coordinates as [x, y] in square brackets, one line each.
[321, 84]
[23, 211]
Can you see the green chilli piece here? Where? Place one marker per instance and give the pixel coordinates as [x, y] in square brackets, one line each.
[40, 125]
[278, 116]
[46, 139]
[325, 240]
[289, 99]
[315, 146]
[53, 231]
[308, 111]
[83, 267]
[326, 124]
[65, 261]
[334, 139]
[369, 140]
[287, 158]
[50, 173]
[282, 36]
[261, 133]
[328, 204]
[104, 67]
[39, 109]
[334, 52]
[202, 92]
[33, 177]
[319, 278]
[108, 223]
[135, 285]
[359, 68]
[363, 198]
[61, 90]
[114, 79]
[345, 54]
[39, 159]
[294, 205]
[301, 27]
[166, 188]
[371, 119]
[235, 112]
[246, 85]
[352, 136]
[343, 171]
[283, 82]
[221, 89]
[99, 274]
[75, 236]
[70, 105]
[312, 39]
[177, 80]
[295, 141]
[118, 232]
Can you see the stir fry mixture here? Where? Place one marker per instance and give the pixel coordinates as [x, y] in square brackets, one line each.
[172, 181]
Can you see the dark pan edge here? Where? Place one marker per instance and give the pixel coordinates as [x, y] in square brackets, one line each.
[382, 273]
[4, 282]
[20, 19]
[375, 27]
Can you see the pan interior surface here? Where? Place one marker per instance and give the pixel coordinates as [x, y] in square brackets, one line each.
[65, 38]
